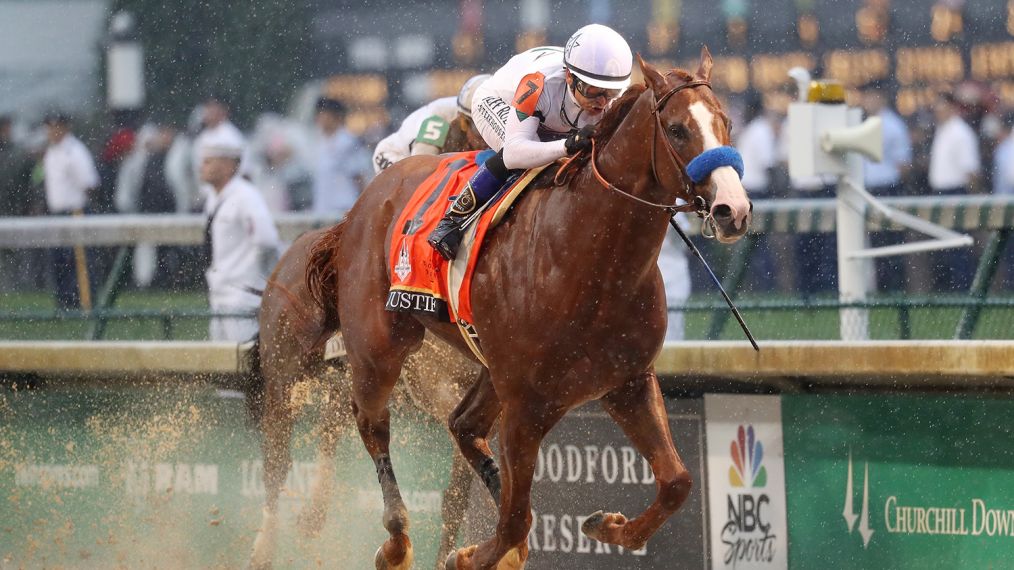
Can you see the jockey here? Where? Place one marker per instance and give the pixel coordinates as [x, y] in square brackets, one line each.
[424, 131]
[539, 107]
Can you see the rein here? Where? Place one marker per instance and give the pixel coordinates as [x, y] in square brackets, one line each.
[699, 205]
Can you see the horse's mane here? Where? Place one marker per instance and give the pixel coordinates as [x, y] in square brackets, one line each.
[614, 115]
[617, 111]
[619, 108]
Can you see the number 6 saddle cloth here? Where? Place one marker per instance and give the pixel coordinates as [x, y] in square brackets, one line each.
[421, 280]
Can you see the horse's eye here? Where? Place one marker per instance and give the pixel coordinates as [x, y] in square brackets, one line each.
[679, 131]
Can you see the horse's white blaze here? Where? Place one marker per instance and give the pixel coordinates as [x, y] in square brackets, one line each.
[729, 189]
[706, 124]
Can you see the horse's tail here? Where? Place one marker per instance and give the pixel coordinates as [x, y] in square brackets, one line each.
[322, 276]
[254, 382]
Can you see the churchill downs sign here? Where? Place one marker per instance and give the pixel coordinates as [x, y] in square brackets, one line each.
[900, 482]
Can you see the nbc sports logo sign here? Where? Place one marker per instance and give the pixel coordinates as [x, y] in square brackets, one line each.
[746, 482]
[747, 469]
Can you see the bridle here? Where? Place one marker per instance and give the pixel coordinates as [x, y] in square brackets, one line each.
[699, 205]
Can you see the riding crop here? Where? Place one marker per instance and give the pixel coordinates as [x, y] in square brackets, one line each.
[728, 300]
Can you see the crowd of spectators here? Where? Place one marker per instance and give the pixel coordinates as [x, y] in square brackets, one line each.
[963, 145]
[152, 166]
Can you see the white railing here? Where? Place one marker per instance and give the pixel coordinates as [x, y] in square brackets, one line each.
[770, 216]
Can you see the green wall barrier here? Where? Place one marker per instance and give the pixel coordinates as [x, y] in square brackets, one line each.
[170, 476]
[884, 481]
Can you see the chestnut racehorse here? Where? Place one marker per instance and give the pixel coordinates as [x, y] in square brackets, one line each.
[567, 300]
[289, 350]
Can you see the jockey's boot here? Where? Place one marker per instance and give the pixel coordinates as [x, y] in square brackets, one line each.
[446, 237]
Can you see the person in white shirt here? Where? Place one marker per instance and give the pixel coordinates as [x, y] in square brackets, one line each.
[241, 241]
[542, 105]
[69, 175]
[1003, 159]
[214, 121]
[953, 171]
[675, 269]
[885, 178]
[758, 145]
[425, 130]
[954, 155]
[343, 167]
[1003, 184]
[815, 266]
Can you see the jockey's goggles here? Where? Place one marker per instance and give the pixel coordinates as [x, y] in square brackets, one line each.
[592, 92]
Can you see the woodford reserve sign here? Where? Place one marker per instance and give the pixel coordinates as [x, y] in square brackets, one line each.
[587, 464]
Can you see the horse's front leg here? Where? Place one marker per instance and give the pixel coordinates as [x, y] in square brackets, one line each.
[375, 359]
[639, 410]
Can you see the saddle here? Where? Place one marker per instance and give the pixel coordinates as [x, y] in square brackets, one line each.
[422, 281]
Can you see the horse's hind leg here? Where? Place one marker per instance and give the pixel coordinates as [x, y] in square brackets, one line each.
[376, 359]
[334, 419]
[639, 410]
[470, 424]
[521, 432]
[452, 508]
[277, 432]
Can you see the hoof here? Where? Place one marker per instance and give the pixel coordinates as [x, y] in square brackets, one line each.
[513, 560]
[604, 527]
[460, 559]
[311, 521]
[395, 554]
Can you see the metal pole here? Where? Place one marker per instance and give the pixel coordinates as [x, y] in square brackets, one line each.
[117, 280]
[984, 274]
[83, 282]
[853, 282]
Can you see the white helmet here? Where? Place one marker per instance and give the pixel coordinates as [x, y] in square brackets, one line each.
[599, 56]
[468, 91]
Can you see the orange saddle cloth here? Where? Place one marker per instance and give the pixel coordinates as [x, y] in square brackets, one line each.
[421, 280]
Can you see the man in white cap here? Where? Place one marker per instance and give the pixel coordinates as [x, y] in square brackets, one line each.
[240, 239]
[425, 130]
[540, 106]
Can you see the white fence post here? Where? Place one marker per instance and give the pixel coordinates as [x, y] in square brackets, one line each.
[853, 272]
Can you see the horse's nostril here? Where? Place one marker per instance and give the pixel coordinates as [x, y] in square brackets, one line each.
[721, 211]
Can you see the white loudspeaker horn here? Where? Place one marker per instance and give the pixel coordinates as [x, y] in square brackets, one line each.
[866, 139]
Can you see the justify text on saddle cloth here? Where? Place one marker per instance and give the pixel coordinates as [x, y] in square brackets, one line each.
[550, 113]
[420, 278]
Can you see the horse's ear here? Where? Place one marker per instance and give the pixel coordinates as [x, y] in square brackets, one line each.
[652, 78]
[704, 69]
